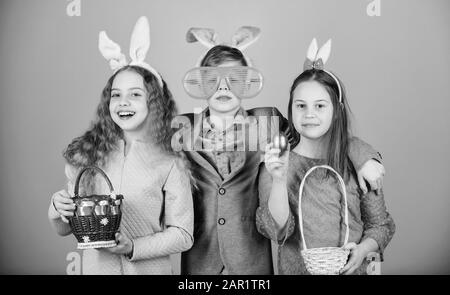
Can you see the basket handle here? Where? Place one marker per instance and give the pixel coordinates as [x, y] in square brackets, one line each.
[77, 182]
[302, 184]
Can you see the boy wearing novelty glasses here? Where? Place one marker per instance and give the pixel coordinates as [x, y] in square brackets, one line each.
[224, 145]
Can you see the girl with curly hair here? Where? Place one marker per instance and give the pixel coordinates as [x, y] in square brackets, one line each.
[130, 140]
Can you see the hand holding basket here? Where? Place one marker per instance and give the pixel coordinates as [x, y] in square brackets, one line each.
[96, 218]
[325, 260]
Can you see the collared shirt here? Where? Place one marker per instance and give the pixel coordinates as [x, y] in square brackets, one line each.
[223, 148]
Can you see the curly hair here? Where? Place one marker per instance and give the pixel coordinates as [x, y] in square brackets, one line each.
[94, 146]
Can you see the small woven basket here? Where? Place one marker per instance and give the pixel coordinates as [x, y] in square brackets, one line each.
[96, 218]
[325, 260]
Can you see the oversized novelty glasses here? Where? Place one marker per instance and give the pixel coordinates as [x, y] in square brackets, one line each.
[203, 82]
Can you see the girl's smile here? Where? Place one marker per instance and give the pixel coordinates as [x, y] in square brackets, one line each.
[128, 105]
[125, 115]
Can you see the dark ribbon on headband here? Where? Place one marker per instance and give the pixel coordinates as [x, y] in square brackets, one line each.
[309, 64]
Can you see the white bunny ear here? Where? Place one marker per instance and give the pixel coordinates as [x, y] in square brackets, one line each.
[205, 36]
[324, 52]
[312, 50]
[140, 40]
[245, 36]
[111, 51]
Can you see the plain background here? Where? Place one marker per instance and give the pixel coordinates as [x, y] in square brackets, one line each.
[395, 68]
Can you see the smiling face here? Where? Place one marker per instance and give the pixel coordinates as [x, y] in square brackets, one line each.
[223, 101]
[312, 110]
[128, 105]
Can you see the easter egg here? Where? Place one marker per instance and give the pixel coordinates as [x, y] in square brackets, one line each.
[280, 142]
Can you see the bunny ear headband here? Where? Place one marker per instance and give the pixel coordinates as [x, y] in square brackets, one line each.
[139, 45]
[244, 37]
[316, 58]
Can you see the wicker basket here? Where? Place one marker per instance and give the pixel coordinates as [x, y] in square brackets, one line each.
[326, 260]
[96, 218]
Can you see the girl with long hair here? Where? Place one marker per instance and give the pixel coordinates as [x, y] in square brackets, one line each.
[130, 140]
[318, 114]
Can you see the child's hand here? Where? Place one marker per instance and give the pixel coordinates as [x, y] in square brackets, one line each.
[357, 255]
[276, 165]
[372, 171]
[63, 205]
[124, 245]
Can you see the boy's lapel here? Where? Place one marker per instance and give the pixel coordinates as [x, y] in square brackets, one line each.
[206, 165]
[237, 170]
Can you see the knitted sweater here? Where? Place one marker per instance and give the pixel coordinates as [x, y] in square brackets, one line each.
[157, 210]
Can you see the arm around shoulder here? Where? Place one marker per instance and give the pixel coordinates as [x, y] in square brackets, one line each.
[360, 152]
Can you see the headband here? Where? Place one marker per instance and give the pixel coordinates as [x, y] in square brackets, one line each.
[243, 38]
[139, 45]
[316, 58]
